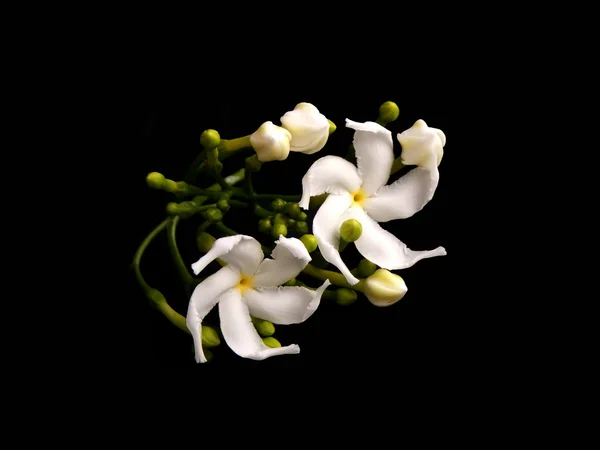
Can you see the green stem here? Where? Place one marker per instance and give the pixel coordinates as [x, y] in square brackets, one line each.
[287, 198]
[142, 248]
[177, 259]
[225, 229]
[237, 203]
[334, 277]
[174, 317]
[261, 212]
[397, 165]
[228, 146]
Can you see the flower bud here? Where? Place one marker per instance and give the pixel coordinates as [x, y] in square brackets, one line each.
[279, 229]
[366, 268]
[213, 215]
[388, 112]
[204, 241]
[210, 337]
[185, 210]
[302, 217]
[271, 342]
[264, 327]
[291, 223]
[170, 186]
[182, 187]
[223, 205]
[172, 208]
[301, 227]
[422, 146]
[310, 242]
[278, 205]
[210, 139]
[270, 142]
[384, 288]
[332, 126]
[345, 296]
[293, 210]
[155, 180]
[265, 225]
[350, 230]
[308, 127]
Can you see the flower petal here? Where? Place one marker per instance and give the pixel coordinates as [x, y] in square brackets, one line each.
[403, 198]
[204, 298]
[326, 228]
[239, 332]
[374, 150]
[383, 248]
[289, 258]
[422, 145]
[308, 127]
[330, 174]
[240, 251]
[284, 305]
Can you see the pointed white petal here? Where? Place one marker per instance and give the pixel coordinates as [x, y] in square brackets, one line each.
[330, 174]
[289, 258]
[374, 150]
[383, 248]
[284, 305]
[326, 228]
[405, 197]
[204, 298]
[239, 332]
[242, 252]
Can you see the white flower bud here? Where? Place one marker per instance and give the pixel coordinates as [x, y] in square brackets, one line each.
[422, 146]
[271, 143]
[309, 128]
[384, 288]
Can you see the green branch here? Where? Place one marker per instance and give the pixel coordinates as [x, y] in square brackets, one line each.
[177, 259]
[334, 277]
[142, 248]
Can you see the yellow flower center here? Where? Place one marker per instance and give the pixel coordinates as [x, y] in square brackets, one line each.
[245, 283]
[359, 198]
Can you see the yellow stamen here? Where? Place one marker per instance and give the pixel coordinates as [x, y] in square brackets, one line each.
[359, 198]
[245, 283]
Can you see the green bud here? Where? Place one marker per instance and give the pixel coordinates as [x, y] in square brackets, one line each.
[332, 126]
[186, 209]
[278, 205]
[351, 230]
[279, 229]
[204, 241]
[291, 282]
[301, 227]
[182, 187]
[199, 199]
[366, 268]
[210, 139]
[271, 342]
[155, 296]
[302, 217]
[223, 205]
[170, 186]
[264, 327]
[345, 296]
[172, 208]
[208, 354]
[388, 112]
[293, 210]
[155, 180]
[210, 337]
[213, 215]
[310, 242]
[265, 225]
[291, 223]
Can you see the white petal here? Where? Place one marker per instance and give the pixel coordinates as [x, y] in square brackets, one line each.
[242, 252]
[422, 145]
[239, 332]
[204, 298]
[330, 174]
[308, 127]
[289, 258]
[383, 248]
[403, 198]
[374, 150]
[326, 228]
[284, 305]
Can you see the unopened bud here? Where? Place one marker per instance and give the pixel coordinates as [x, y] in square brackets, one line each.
[204, 241]
[210, 139]
[293, 210]
[264, 327]
[155, 180]
[366, 268]
[182, 187]
[186, 209]
[301, 227]
[279, 230]
[278, 205]
[172, 208]
[271, 342]
[302, 217]
[265, 225]
[170, 186]
[310, 242]
[210, 337]
[213, 215]
[345, 296]
[384, 288]
[223, 205]
[350, 230]
[388, 112]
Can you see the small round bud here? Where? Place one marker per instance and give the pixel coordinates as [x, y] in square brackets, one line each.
[155, 180]
[213, 215]
[310, 242]
[186, 209]
[170, 186]
[278, 205]
[291, 223]
[301, 227]
[204, 241]
[384, 288]
[388, 112]
[279, 230]
[182, 187]
[332, 126]
[155, 296]
[293, 210]
[264, 327]
[210, 139]
[271, 342]
[172, 208]
[210, 337]
[345, 296]
[265, 225]
[350, 230]
[223, 205]
[302, 217]
[366, 268]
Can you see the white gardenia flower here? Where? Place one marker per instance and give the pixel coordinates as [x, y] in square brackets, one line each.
[250, 285]
[271, 143]
[309, 128]
[361, 194]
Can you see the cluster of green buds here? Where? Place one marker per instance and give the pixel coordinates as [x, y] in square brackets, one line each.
[288, 218]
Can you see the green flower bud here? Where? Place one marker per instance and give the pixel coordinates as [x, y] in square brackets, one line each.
[301, 227]
[265, 225]
[279, 229]
[388, 112]
[210, 337]
[271, 342]
[345, 296]
[293, 210]
[384, 288]
[351, 230]
[291, 282]
[210, 139]
[204, 241]
[264, 327]
[182, 187]
[198, 200]
[366, 268]
[208, 354]
[155, 296]
[170, 186]
[302, 217]
[278, 205]
[223, 205]
[213, 215]
[186, 209]
[332, 126]
[291, 223]
[172, 208]
[155, 180]
[310, 242]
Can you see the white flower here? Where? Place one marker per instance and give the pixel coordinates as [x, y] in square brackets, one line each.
[361, 194]
[384, 288]
[249, 285]
[271, 143]
[309, 128]
[422, 146]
